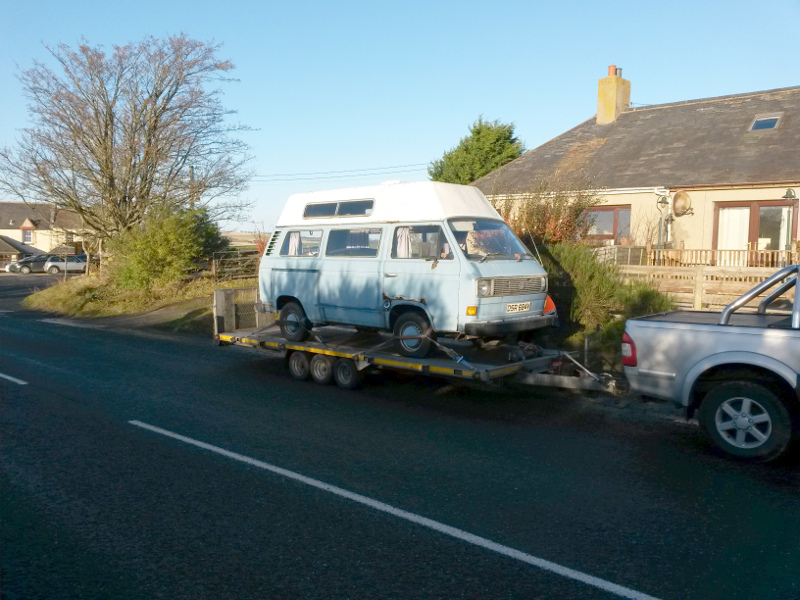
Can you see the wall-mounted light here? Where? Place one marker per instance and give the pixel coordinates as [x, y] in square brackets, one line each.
[661, 203]
[789, 195]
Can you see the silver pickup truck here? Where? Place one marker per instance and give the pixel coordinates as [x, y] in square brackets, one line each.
[739, 371]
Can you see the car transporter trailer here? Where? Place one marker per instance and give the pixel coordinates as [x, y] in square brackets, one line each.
[343, 354]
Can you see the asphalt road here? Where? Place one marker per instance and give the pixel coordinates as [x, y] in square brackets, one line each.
[142, 465]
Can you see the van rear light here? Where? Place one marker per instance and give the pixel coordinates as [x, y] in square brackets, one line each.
[628, 351]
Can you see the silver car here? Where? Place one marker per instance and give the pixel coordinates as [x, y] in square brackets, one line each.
[75, 263]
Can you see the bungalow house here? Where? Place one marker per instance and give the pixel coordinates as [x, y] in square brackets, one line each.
[28, 229]
[717, 179]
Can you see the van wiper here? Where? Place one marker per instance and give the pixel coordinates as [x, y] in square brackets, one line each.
[491, 255]
[519, 257]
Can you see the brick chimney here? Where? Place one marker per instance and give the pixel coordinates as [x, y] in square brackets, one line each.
[613, 96]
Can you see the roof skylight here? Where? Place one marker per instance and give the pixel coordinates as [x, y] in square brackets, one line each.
[765, 122]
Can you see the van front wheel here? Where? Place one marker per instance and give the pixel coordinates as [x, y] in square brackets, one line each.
[413, 335]
[293, 322]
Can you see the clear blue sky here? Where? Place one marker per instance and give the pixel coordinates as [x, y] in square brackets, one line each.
[374, 91]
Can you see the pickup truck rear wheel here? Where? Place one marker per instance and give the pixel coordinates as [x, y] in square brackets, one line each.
[746, 420]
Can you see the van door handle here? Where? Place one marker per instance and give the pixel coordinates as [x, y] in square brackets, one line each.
[390, 274]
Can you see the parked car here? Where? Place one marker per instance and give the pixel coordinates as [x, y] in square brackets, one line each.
[31, 264]
[75, 263]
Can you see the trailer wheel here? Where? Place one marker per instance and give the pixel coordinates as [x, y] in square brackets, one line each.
[409, 325]
[322, 369]
[294, 323]
[746, 420]
[298, 365]
[346, 374]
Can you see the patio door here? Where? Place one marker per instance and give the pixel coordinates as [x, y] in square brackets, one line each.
[734, 234]
[754, 233]
[774, 228]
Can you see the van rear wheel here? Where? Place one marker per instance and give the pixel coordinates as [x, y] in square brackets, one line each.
[413, 335]
[294, 323]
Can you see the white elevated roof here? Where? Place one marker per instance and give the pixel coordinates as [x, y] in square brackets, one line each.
[400, 201]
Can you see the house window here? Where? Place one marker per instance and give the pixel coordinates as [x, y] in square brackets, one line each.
[762, 122]
[611, 223]
[27, 236]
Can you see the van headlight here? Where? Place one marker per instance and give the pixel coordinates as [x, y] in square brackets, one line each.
[484, 288]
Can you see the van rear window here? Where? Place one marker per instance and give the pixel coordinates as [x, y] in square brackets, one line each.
[346, 208]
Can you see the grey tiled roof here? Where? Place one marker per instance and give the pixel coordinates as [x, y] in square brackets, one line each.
[9, 246]
[684, 144]
[13, 214]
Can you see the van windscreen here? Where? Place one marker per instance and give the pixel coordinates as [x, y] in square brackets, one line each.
[484, 239]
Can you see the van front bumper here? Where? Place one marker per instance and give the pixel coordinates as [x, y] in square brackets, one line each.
[487, 328]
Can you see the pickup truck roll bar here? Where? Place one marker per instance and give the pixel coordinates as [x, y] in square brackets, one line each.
[792, 272]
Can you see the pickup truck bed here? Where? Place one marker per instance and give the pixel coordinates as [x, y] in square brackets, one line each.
[696, 317]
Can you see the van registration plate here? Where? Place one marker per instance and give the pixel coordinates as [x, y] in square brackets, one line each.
[518, 307]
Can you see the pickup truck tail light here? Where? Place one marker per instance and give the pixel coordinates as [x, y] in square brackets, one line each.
[628, 351]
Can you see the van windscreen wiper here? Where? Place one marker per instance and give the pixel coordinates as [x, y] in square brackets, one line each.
[491, 255]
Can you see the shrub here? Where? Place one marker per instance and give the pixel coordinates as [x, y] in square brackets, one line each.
[593, 300]
[583, 288]
[164, 249]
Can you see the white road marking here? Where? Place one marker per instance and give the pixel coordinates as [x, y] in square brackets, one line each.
[14, 379]
[465, 536]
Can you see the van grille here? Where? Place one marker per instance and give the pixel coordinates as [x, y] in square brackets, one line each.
[519, 286]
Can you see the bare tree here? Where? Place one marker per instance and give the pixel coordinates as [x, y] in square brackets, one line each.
[550, 211]
[116, 134]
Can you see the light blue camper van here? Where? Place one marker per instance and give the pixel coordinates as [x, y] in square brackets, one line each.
[416, 259]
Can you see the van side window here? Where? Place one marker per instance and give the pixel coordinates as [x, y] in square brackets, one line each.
[353, 242]
[422, 242]
[301, 243]
[345, 208]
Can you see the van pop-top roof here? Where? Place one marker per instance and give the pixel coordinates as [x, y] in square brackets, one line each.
[401, 201]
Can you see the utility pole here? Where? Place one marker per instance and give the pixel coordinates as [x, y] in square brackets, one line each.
[192, 191]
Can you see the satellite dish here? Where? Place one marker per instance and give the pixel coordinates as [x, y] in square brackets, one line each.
[681, 204]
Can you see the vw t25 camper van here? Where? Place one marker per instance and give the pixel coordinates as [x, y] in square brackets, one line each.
[415, 259]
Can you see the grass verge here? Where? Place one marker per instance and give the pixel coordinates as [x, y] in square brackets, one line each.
[96, 296]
